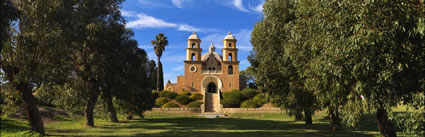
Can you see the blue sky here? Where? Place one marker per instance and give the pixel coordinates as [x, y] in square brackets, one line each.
[177, 19]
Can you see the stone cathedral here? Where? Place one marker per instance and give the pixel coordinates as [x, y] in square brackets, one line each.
[209, 74]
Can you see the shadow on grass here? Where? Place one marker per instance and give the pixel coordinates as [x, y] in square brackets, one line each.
[12, 125]
[184, 127]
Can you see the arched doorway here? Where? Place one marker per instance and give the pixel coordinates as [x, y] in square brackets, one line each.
[211, 87]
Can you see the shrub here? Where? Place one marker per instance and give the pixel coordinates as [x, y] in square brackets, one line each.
[260, 99]
[249, 93]
[170, 105]
[168, 94]
[187, 93]
[155, 94]
[194, 104]
[196, 96]
[161, 101]
[231, 99]
[183, 99]
[250, 103]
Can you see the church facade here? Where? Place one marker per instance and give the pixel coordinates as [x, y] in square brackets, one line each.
[209, 74]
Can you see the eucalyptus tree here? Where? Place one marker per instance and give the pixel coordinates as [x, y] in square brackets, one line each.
[91, 24]
[34, 51]
[277, 70]
[159, 46]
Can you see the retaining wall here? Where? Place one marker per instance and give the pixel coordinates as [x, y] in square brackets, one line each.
[224, 110]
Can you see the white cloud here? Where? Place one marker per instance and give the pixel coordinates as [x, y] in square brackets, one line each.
[178, 3]
[259, 7]
[146, 21]
[151, 3]
[239, 5]
[185, 27]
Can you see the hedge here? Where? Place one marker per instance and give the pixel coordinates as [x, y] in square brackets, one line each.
[161, 101]
[187, 93]
[196, 96]
[183, 99]
[249, 104]
[170, 105]
[231, 99]
[249, 93]
[194, 104]
[260, 99]
[168, 94]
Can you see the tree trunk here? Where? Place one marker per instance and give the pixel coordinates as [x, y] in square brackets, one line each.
[25, 89]
[298, 115]
[107, 97]
[307, 117]
[335, 120]
[157, 75]
[94, 94]
[384, 124]
[161, 77]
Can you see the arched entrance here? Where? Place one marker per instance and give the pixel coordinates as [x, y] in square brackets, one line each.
[211, 87]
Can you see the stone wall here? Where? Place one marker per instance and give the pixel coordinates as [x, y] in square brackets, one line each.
[175, 110]
[251, 110]
[225, 110]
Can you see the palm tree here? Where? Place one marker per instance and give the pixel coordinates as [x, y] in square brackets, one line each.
[159, 46]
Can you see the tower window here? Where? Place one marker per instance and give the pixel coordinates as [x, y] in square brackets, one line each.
[193, 56]
[230, 56]
[230, 70]
[213, 68]
[230, 84]
[230, 45]
[193, 45]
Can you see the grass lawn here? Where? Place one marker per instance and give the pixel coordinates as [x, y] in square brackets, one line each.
[191, 125]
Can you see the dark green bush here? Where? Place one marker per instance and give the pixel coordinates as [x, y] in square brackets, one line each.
[183, 99]
[249, 93]
[168, 94]
[155, 94]
[196, 96]
[170, 105]
[194, 104]
[161, 101]
[260, 99]
[249, 104]
[231, 99]
[187, 93]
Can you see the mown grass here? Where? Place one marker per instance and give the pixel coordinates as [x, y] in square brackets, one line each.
[192, 125]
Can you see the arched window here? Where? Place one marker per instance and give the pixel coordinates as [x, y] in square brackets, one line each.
[230, 84]
[211, 88]
[230, 45]
[209, 68]
[193, 45]
[230, 56]
[213, 68]
[193, 56]
[230, 69]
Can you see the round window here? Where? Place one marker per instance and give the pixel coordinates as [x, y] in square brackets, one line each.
[192, 68]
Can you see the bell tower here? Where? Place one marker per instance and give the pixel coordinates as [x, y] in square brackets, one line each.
[193, 50]
[230, 52]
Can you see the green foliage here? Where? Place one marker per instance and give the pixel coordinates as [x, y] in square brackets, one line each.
[249, 93]
[161, 101]
[260, 99]
[155, 94]
[168, 94]
[170, 105]
[250, 103]
[412, 122]
[185, 93]
[183, 99]
[231, 99]
[196, 96]
[194, 104]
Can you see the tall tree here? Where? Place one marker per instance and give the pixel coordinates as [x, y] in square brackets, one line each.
[91, 24]
[152, 74]
[34, 50]
[277, 70]
[159, 46]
